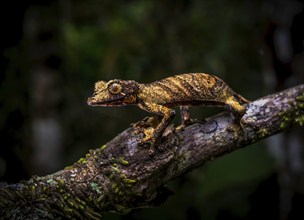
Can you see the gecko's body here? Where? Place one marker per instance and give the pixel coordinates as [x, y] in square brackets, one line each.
[158, 97]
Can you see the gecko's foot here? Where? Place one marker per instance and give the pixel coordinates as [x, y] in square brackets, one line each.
[149, 140]
[140, 125]
[145, 123]
[149, 137]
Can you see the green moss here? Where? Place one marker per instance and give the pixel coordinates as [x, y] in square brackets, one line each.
[114, 185]
[95, 187]
[103, 147]
[295, 114]
[66, 209]
[33, 189]
[41, 200]
[101, 197]
[128, 181]
[82, 161]
[116, 169]
[61, 182]
[300, 120]
[128, 185]
[285, 122]
[123, 161]
[66, 196]
[300, 98]
[81, 201]
[263, 132]
[51, 181]
[68, 167]
[121, 208]
[92, 215]
[120, 184]
[116, 190]
[71, 203]
[81, 207]
[301, 105]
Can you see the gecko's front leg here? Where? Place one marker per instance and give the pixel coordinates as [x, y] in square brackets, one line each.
[166, 114]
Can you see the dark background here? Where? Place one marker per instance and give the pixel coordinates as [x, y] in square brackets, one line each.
[53, 52]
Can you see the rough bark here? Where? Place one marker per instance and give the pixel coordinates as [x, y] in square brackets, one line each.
[122, 175]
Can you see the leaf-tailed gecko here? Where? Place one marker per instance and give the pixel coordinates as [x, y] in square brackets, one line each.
[158, 97]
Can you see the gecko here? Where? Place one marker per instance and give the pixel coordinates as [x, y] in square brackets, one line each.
[158, 97]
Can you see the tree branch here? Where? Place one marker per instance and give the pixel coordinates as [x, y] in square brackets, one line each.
[121, 175]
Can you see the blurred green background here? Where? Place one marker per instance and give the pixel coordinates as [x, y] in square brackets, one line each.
[53, 51]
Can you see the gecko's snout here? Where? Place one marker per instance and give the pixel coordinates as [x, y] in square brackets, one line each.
[90, 101]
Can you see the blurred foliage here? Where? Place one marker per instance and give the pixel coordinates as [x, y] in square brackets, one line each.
[146, 41]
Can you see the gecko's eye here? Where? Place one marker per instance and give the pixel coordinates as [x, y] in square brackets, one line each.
[114, 88]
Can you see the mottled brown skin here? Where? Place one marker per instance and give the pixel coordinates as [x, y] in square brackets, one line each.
[158, 97]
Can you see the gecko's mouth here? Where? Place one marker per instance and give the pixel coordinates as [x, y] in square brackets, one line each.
[113, 102]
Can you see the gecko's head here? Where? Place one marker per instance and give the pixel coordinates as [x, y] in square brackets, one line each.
[114, 93]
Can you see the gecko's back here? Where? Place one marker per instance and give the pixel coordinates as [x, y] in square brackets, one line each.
[189, 89]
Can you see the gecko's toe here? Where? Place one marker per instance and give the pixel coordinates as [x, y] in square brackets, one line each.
[148, 137]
